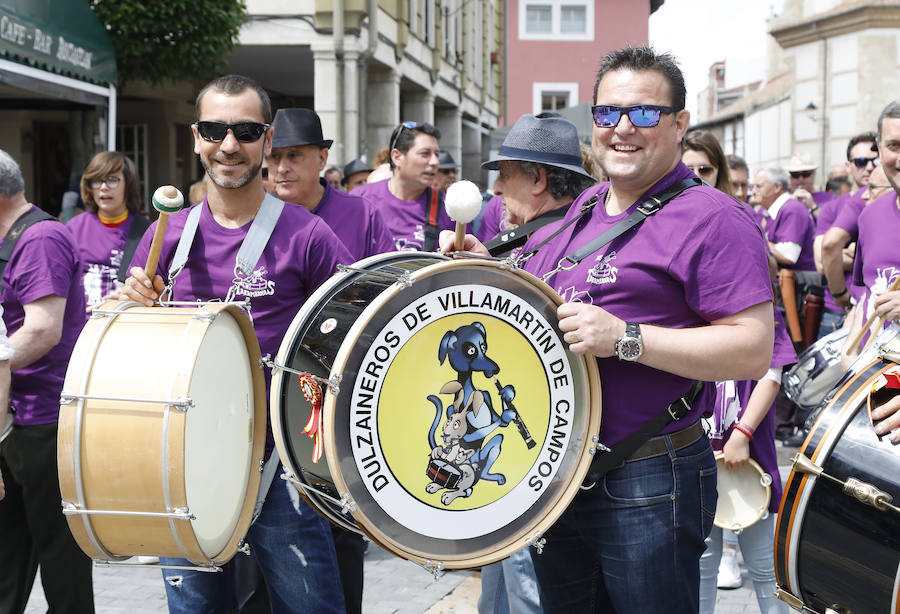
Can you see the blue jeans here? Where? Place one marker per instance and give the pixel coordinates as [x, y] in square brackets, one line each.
[295, 551]
[756, 547]
[632, 543]
[510, 586]
[831, 321]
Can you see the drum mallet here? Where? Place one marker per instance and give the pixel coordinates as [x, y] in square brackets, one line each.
[862, 331]
[463, 204]
[167, 199]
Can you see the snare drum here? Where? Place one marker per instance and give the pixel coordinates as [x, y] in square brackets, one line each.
[744, 494]
[837, 547]
[817, 370]
[410, 483]
[161, 432]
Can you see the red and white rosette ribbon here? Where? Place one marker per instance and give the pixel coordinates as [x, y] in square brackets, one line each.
[312, 392]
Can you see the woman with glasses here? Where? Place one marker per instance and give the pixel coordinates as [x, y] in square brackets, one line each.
[110, 188]
[703, 155]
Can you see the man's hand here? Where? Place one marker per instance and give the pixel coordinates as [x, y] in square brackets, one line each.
[804, 197]
[887, 419]
[887, 305]
[447, 239]
[589, 329]
[139, 288]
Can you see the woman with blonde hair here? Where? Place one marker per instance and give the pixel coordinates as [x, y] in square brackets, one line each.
[108, 232]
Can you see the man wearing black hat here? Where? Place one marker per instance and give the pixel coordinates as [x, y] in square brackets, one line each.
[446, 173]
[355, 174]
[540, 175]
[299, 153]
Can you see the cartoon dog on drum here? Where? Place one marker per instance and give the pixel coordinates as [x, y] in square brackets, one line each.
[470, 418]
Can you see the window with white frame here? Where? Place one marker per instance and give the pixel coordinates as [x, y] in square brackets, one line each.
[571, 20]
[553, 96]
[131, 140]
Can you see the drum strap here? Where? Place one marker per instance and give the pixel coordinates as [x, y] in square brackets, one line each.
[138, 225]
[265, 483]
[515, 237]
[619, 453]
[251, 248]
[431, 229]
[15, 232]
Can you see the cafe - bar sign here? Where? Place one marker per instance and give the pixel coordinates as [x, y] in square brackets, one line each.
[32, 38]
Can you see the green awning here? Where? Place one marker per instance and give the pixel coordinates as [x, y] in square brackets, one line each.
[60, 36]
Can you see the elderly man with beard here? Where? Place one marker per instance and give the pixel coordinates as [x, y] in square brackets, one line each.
[232, 135]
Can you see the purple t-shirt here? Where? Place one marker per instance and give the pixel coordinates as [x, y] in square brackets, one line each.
[355, 222]
[877, 262]
[820, 198]
[848, 214]
[676, 270]
[406, 220]
[101, 249]
[45, 262]
[794, 224]
[762, 446]
[827, 216]
[300, 255]
[492, 221]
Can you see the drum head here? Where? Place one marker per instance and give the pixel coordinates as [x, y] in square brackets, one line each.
[743, 494]
[459, 332]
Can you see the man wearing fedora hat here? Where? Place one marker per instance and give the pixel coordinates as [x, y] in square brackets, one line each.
[681, 299]
[299, 153]
[446, 173]
[540, 175]
[412, 209]
[355, 174]
[232, 135]
[802, 171]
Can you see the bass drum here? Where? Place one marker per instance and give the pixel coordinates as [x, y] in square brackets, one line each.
[457, 426]
[836, 544]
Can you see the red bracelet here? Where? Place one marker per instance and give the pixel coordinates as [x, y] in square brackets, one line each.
[745, 429]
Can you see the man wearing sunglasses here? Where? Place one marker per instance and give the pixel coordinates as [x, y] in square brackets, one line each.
[412, 209]
[232, 136]
[682, 297]
[802, 171]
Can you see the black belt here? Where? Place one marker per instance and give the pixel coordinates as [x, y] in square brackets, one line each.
[656, 446]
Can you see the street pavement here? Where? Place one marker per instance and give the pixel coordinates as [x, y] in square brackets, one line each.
[392, 586]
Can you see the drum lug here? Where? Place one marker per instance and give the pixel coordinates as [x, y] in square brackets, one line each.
[538, 541]
[435, 568]
[404, 281]
[347, 503]
[508, 264]
[789, 599]
[243, 547]
[205, 316]
[596, 445]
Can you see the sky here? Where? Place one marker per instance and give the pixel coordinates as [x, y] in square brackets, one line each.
[700, 32]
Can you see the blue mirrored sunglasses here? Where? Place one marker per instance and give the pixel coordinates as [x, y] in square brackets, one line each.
[640, 115]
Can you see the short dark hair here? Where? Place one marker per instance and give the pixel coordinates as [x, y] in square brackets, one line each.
[892, 110]
[233, 85]
[640, 59]
[737, 163]
[403, 138]
[863, 137]
[561, 182]
[103, 165]
[834, 184]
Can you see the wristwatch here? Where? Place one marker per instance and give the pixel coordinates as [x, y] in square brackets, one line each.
[629, 347]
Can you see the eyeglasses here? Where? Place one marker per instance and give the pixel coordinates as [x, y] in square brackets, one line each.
[640, 115]
[403, 126]
[245, 132]
[703, 170]
[803, 174]
[111, 182]
[864, 162]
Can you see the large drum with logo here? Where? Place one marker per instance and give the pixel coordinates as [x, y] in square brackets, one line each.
[456, 425]
[837, 547]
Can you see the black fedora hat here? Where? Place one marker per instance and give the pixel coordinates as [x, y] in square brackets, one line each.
[547, 140]
[446, 161]
[357, 165]
[295, 127]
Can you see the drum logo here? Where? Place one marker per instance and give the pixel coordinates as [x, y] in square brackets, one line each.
[434, 430]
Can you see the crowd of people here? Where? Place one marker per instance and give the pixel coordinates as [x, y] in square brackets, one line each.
[670, 260]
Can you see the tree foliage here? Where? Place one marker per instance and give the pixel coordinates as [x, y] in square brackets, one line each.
[163, 41]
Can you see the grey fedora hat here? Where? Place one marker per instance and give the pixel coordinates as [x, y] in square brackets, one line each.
[357, 165]
[295, 127]
[446, 161]
[551, 140]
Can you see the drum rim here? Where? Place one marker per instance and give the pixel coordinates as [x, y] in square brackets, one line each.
[552, 508]
[310, 307]
[180, 532]
[720, 466]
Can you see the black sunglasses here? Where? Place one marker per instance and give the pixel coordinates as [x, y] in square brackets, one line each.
[245, 132]
[864, 162]
[640, 115]
[403, 126]
[703, 170]
[798, 174]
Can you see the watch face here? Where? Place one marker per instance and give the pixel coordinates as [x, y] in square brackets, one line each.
[629, 349]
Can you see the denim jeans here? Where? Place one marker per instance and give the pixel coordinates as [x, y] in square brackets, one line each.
[295, 551]
[831, 321]
[510, 586]
[632, 543]
[756, 547]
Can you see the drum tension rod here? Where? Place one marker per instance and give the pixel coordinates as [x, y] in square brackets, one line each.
[212, 568]
[866, 493]
[179, 513]
[181, 403]
[435, 568]
[333, 383]
[404, 280]
[538, 541]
